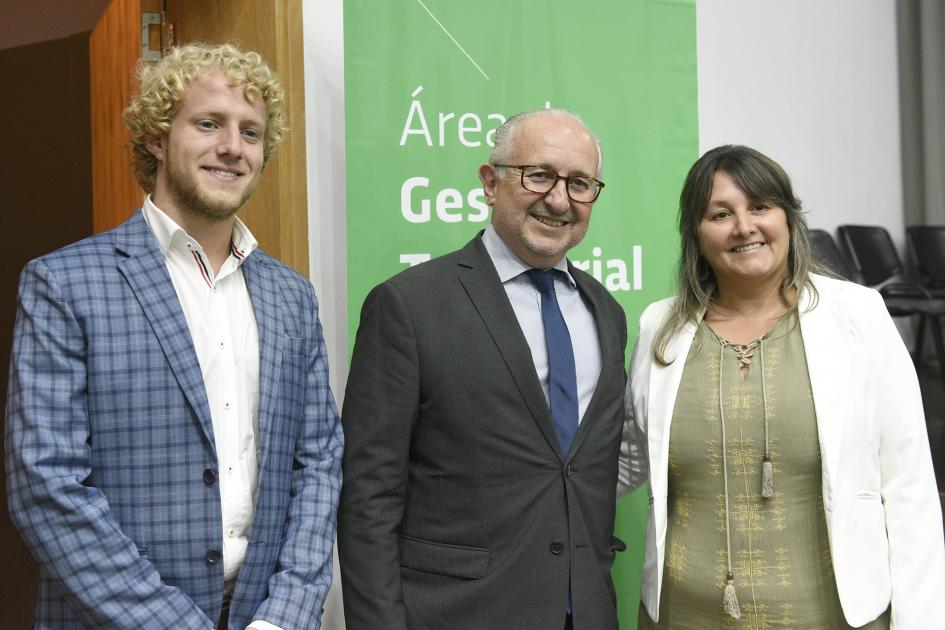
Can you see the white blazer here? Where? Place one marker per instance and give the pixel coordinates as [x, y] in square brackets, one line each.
[884, 519]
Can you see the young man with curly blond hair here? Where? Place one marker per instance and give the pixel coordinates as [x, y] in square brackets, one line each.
[172, 444]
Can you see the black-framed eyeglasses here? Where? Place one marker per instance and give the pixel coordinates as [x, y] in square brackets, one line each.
[540, 179]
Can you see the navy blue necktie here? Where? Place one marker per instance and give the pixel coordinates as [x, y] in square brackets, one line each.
[562, 378]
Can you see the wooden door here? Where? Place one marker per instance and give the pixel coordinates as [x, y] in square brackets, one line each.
[278, 211]
[114, 48]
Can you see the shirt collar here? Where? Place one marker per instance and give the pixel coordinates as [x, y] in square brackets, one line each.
[168, 234]
[508, 264]
[243, 242]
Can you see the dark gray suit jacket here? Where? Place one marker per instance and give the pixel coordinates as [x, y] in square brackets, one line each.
[459, 510]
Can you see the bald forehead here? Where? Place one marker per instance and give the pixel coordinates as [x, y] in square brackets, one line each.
[543, 123]
[542, 138]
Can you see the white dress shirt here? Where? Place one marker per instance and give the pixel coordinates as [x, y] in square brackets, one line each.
[526, 302]
[222, 325]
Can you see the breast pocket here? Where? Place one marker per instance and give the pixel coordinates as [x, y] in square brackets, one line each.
[294, 361]
[293, 376]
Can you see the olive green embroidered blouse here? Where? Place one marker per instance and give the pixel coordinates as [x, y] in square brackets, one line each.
[780, 551]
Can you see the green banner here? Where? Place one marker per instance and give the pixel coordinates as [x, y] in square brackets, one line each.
[428, 81]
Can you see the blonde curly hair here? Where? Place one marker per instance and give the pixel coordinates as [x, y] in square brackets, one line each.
[163, 85]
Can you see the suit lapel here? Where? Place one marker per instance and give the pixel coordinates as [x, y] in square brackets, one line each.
[263, 286]
[478, 276]
[147, 275]
[609, 343]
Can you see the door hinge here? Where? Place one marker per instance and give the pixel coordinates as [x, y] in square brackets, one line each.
[157, 35]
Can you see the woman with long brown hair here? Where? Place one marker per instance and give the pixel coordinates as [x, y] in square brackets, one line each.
[776, 415]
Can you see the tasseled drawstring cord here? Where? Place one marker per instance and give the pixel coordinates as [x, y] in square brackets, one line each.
[767, 470]
[743, 354]
[729, 599]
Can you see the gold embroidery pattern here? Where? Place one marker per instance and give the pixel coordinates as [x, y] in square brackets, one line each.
[755, 616]
[777, 511]
[682, 509]
[752, 563]
[782, 565]
[676, 562]
[713, 455]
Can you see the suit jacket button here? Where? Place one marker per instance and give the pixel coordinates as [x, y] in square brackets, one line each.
[556, 546]
[209, 476]
[212, 556]
[567, 470]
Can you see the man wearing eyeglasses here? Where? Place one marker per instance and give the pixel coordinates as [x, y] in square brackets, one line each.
[483, 414]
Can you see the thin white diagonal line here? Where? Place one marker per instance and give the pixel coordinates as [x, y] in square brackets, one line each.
[458, 45]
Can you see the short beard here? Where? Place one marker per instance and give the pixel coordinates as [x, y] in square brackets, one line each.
[194, 202]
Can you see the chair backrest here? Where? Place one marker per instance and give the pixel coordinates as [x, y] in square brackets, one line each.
[872, 251]
[928, 244]
[826, 252]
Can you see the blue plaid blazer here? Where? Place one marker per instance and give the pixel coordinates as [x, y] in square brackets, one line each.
[111, 465]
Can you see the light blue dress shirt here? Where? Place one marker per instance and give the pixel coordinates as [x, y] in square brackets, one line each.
[526, 302]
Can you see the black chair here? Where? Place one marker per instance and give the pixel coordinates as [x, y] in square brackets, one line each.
[928, 245]
[875, 258]
[873, 253]
[826, 252]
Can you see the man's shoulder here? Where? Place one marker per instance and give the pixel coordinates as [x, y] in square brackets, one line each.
[280, 269]
[425, 271]
[82, 255]
[129, 235]
[428, 273]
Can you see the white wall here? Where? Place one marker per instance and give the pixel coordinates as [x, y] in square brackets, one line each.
[323, 32]
[814, 85]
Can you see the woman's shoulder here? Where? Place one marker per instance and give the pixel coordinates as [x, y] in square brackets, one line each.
[855, 307]
[652, 320]
[843, 293]
[654, 314]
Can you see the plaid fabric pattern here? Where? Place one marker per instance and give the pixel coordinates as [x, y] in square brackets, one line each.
[111, 469]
